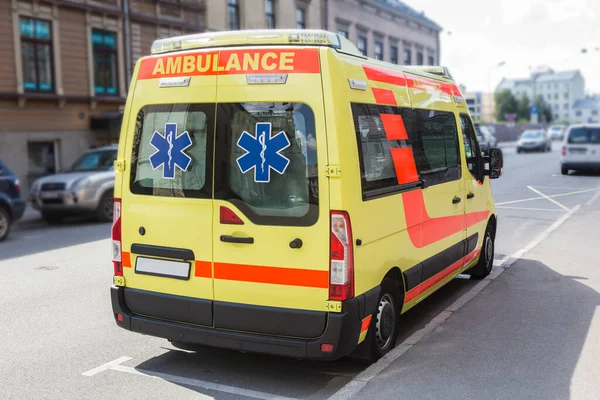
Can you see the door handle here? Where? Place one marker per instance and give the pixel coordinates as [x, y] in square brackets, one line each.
[237, 239]
[470, 195]
[456, 200]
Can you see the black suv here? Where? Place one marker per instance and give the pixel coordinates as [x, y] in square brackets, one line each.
[12, 205]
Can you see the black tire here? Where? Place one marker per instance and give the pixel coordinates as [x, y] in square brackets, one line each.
[564, 171]
[518, 151]
[104, 212]
[5, 223]
[486, 258]
[53, 218]
[383, 330]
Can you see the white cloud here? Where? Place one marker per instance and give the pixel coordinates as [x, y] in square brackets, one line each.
[520, 32]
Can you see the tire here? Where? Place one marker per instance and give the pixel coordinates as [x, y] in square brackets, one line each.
[486, 258]
[564, 171]
[53, 218]
[518, 151]
[104, 211]
[383, 330]
[5, 223]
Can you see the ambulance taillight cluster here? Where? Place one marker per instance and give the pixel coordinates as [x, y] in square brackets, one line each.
[116, 238]
[341, 270]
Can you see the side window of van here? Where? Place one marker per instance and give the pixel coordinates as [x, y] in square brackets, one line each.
[472, 150]
[435, 146]
[378, 173]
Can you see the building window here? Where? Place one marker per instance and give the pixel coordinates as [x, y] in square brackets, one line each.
[104, 47]
[407, 57]
[394, 54]
[270, 13]
[578, 113]
[233, 11]
[419, 58]
[430, 60]
[594, 112]
[566, 95]
[362, 45]
[555, 96]
[36, 52]
[566, 106]
[343, 33]
[378, 50]
[300, 18]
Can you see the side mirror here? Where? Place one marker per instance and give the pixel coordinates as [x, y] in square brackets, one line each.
[496, 163]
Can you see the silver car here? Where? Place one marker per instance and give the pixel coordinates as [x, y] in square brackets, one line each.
[534, 140]
[84, 188]
[485, 137]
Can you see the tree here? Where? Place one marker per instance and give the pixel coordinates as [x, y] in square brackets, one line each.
[506, 103]
[523, 110]
[544, 110]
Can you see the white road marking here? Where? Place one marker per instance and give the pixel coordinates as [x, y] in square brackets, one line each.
[549, 198]
[564, 188]
[352, 388]
[106, 366]
[593, 199]
[200, 384]
[530, 209]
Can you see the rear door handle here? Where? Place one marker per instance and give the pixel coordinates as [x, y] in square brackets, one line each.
[470, 195]
[237, 239]
[456, 200]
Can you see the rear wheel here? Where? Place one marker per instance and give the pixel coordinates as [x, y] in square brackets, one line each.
[381, 337]
[518, 151]
[5, 223]
[564, 171]
[486, 259]
[104, 212]
[53, 217]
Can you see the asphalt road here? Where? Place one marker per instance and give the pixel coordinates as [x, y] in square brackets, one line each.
[57, 332]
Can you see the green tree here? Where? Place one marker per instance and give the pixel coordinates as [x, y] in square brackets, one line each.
[544, 110]
[523, 111]
[506, 103]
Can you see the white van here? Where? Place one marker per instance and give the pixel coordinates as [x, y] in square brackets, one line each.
[581, 148]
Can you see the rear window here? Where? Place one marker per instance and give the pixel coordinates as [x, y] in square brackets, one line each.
[101, 160]
[266, 161]
[584, 136]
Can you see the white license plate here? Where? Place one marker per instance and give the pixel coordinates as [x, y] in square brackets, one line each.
[50, 195]
[165, 268]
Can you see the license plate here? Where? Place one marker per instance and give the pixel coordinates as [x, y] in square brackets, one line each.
[164, 268]
[50, 195]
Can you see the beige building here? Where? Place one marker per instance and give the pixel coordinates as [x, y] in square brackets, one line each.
[388, 30]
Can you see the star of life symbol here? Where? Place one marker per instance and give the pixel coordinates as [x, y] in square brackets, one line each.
[170, 151]
[263, 152]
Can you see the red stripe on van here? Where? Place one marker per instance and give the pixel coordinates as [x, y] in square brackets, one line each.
[424, 286]
[384, 96]
[272, 275]
[126, 259]
[406, 170]
[394, 127]
[203, 269]
[384, 75]
[419, 82]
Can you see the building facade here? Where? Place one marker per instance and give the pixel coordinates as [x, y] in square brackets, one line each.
[387, 30]
[560, 90]
[66, 64]
[481, 105]
[586, 110]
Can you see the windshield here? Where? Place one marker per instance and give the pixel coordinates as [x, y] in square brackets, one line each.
[101, 160]
[532, 135]
[584, 136]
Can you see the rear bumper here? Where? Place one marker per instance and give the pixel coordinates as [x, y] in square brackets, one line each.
[341, 330]
[18, 209]
[580, 164]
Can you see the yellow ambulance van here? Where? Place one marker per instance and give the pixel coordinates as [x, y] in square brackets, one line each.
[278, 192]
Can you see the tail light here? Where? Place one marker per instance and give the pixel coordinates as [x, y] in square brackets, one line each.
[564, 150]
[18, 186]
[341, 268]
[116, 238]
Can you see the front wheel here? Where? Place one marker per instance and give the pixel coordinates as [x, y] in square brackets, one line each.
[486, 259]
[104, 212]
[564, 171]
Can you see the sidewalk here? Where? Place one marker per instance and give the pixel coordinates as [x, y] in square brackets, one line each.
[532, 333]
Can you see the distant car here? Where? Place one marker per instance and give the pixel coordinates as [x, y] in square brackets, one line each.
[485, 137]
[84, 188]
[556, 132]
[581, 148]
[12, 205]
[534, 140]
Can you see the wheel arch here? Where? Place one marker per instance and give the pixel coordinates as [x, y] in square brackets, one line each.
[396, 276]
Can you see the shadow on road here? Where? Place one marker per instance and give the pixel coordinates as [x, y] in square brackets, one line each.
[31, 239]
[520, 338]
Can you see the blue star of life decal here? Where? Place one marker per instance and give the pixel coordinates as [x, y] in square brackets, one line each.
[170, 151]
[263, 152]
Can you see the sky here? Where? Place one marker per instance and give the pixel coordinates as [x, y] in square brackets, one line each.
[479, 34]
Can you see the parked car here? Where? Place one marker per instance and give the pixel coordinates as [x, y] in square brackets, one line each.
[534, 140]
[486, 138]
[581, 148]
[556, 132]
[84, 188]
[12, 205]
